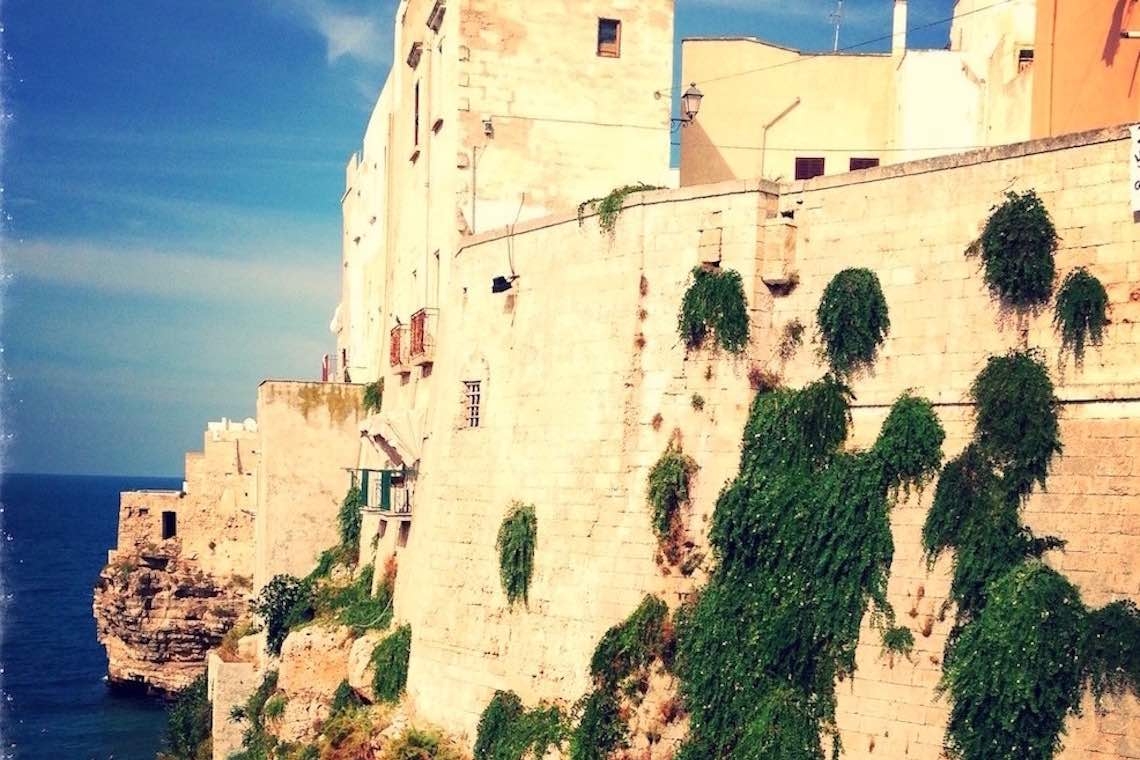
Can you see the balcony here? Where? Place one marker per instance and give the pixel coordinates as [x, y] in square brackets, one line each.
[386, 491]
[423, 336]
[398, 347]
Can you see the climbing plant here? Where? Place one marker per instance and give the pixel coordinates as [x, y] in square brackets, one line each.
[390, 664]
[517, 536]
[609, 207]
[803, 547]
[348, 520]
[853, 320]
[283, 603]
[1017, 247]
[1023, 644]
[508, 731]
[669, 481]
[373, 396]
[1081, 312]
[714, 302]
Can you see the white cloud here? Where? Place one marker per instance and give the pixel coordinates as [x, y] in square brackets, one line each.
[361, 35]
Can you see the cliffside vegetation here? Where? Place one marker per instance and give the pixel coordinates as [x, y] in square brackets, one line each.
[390, 660]
[714, 303]
[373, 399]
[189, 722]
[516, 539]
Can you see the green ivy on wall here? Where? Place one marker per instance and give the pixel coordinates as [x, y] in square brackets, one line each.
[1017, 247]
[714, 303]
[853, 320]
[516, 540]
[1081, 312]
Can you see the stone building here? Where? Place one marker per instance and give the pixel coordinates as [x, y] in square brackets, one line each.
[783, 114]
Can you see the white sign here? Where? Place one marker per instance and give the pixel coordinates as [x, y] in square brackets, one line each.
[1134, 161]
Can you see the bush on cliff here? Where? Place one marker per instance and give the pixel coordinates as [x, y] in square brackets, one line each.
[189, 723]
[283, 603]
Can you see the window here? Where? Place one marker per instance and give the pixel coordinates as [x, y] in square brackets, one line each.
[806, 168]
[169, 525]
[861, 163]
[416, 120]
[473, 391]
[609, 38]
[405, 532]
[435, 18]
[1024, 59]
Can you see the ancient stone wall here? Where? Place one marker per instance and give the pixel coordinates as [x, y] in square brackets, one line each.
[585, 381]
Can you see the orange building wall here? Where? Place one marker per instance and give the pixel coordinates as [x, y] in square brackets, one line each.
[1086, 75]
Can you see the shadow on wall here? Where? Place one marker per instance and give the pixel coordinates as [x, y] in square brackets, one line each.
[701, 161]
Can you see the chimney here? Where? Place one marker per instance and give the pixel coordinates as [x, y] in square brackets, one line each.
[898, 31]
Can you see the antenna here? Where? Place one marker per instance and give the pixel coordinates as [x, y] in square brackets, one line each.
[837, 19]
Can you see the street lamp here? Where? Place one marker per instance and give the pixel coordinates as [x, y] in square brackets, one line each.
[690, 105]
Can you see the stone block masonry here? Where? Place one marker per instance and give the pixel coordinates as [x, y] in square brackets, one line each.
[585, 381]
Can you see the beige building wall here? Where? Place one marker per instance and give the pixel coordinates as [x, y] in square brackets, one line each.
[569, 407]
[309, 434]
[765, 105]
[518, 117]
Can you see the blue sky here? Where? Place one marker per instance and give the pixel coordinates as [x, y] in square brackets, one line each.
[171, 181]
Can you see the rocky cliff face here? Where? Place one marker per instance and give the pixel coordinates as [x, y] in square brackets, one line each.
[158, 615]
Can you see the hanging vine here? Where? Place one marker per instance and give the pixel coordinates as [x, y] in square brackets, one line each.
[517, 536]
[1081, 312]
[714, 303]
[1017, 248]
[853, 320]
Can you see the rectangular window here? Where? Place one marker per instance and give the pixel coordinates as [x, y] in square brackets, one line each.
[1024, 59]
[416, 121]
[473, 392]
[862, 163]
[609, 38]
[806, 168]
[169, 525]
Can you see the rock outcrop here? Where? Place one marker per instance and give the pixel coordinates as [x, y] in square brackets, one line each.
[158, 615]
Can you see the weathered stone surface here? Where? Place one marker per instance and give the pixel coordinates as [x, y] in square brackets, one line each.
[360, 670]
[314, 660]
[158, 615]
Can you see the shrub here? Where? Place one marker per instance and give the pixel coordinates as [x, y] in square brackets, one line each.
[189, 722]
[344, 698]
[374, 396]
[507, 731]
[275, 707]
[1017, 247]
[390, 660]
[898, 640]
[714, 302]
[283, 603]
[1016, 417]
[853, 320]
[516, 540]
[1081, 312]
[418, 744]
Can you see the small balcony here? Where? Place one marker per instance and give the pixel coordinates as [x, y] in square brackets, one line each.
[422, 349]
[398, 348]
[386, 491]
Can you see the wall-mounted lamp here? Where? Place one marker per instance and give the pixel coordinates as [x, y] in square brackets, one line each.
[1130, 34]
[690, 105]
[488, 127]
[502, 284]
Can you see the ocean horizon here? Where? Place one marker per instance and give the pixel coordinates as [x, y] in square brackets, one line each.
[55, 531]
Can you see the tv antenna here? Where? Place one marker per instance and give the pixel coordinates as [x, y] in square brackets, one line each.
[837, 19]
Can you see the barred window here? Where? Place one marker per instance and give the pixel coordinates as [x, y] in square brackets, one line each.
[473, 392]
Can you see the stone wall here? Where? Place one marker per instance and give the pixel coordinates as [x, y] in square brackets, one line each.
[585, 381]
[309, 434]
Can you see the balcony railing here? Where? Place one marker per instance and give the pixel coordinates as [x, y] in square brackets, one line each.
[386, 490]
[398, 349]
[423, 336]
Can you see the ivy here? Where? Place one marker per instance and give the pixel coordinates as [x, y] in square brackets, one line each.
[348, 520]
[898, 640]
[853, 320]
[630, 645]
[610, 206]
[600, 729]
[803, 546]
[669, 482]
[1081, 312]
[1017, 247]
[373, 399]
[507, 731]
[390, 661]
[516, 540]
[714, 302]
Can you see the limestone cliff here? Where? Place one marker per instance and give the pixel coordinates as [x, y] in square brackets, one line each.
[158, 614]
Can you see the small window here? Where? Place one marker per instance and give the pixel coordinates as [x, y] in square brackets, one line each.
[169, 525]
[1024, 59]
[609, 38]
[862, 163]
[473, 392]
[806, 168]
[416, 119]
[405, 532]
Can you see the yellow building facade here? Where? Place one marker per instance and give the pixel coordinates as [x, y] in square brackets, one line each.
[782, 114]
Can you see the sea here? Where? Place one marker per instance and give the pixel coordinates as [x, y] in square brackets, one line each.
[55, 531]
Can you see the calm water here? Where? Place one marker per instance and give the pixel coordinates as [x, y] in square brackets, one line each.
[55, 537]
